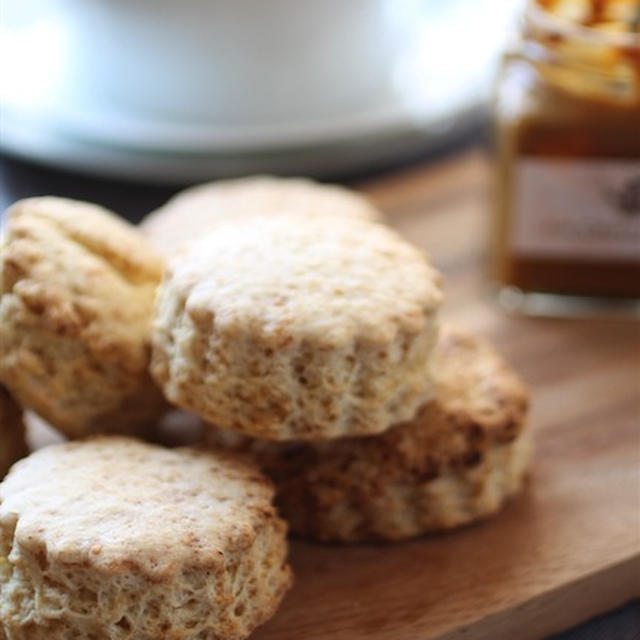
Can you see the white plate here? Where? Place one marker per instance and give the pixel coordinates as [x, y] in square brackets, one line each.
[66, 152]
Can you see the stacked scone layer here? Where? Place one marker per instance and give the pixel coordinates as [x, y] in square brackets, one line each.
[458, 459]
[321, 333]
[286, 329]
[194, 212]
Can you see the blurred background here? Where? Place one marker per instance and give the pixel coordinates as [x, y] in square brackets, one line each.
[158, 94]
[174, 93]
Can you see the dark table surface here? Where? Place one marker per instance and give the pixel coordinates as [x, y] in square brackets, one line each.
[19, 179]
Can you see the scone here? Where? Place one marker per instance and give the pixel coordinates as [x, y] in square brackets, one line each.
[114, 539]
[12, 436]
[458, 460]
[76, 296]
[199, 209]
[285, 330]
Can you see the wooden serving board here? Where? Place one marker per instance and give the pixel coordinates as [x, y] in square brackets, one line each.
[564, 551]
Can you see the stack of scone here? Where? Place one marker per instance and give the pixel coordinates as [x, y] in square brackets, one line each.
[307, 335]
[301, 333]
[110, 538]
[458, 459]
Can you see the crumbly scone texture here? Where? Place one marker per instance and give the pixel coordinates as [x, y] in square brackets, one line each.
[76, 297]
[459, 459]
[284, 330]
[194, 211]
[12, 435]
[114, 539]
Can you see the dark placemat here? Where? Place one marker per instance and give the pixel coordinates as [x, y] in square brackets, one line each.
[621, 624]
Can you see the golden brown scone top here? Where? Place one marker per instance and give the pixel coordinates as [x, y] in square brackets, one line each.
[73, 261]
[330, 282]
[121, 505]
[96, 229]
[199, 209]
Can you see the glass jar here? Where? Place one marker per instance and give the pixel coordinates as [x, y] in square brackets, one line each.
[567, 201]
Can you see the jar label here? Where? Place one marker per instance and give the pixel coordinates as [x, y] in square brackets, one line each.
[577, 208]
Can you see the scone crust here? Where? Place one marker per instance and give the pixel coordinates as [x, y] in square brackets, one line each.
[285, 330]
[396, 510]
[77, 287]
[12, 435]
[113, 538]
[459, 459]
[196, 210]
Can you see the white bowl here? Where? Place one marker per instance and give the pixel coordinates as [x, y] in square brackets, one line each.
[185, 89]
[230, 61]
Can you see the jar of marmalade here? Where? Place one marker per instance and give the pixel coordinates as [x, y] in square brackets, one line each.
[567, 109]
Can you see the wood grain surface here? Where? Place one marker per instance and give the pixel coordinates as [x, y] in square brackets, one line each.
[569, 547]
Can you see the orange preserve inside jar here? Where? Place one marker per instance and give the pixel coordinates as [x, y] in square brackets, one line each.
[567, 116]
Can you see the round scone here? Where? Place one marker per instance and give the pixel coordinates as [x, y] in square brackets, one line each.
[12, 437]
[285, 330]
[459, 459]
[111, 538]
[76, 296]
[196, 210]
